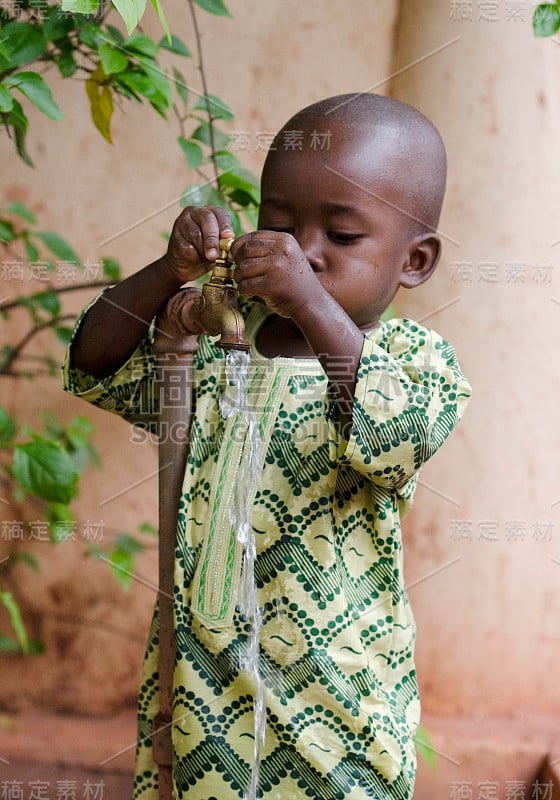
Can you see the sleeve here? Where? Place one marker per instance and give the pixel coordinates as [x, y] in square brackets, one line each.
[129, 392]
[410, 394]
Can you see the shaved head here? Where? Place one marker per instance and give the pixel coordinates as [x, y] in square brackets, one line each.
[400, 147]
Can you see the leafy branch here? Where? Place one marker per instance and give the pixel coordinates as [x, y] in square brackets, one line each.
[43, 467]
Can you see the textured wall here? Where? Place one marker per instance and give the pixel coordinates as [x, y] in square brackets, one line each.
[486, 520]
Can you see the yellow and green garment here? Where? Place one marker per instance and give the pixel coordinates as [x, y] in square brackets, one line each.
[337, 639]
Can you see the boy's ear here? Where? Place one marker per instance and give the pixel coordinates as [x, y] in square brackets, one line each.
[424, 250]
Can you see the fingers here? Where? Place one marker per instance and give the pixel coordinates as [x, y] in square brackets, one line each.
[202, 228]
[261, 244]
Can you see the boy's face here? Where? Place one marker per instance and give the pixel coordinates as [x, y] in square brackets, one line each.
[343, 206]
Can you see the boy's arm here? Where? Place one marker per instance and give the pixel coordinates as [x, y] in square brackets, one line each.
[272, 266]
[338, 344]
[115, 325]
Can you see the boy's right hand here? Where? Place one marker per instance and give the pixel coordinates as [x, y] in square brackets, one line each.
[195, 240]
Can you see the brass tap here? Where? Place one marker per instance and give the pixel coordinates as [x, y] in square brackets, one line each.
[218, 305]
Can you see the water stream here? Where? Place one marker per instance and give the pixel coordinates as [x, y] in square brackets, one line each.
[235, 401]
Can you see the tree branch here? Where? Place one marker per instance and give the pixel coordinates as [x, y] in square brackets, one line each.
[50, 288]
[201, 69]
[5, 369]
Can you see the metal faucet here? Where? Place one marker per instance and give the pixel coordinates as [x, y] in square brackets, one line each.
[218, 305]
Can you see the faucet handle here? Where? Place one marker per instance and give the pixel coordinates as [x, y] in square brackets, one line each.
[225, 246]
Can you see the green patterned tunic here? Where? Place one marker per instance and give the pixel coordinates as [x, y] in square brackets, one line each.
[336, 646]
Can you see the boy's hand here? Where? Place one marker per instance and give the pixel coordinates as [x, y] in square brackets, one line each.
[195, 240]
[272, 266]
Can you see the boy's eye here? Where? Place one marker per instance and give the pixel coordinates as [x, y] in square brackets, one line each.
[344, 238]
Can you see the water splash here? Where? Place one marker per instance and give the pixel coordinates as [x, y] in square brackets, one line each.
[235, 400]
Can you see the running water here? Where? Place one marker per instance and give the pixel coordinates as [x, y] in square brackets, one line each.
[234, 400]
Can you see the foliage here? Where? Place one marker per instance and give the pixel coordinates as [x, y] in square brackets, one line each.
[43, 467]
[546, 19]
[45, 254]
[120, 556]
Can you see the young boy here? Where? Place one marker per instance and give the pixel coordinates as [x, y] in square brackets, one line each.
[349, 409]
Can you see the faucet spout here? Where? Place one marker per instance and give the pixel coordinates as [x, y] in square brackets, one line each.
[218, 309]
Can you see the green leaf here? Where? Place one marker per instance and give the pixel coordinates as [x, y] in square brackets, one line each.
[218, 109]
[112, 60]
[90, 35]
[111, 269]
[61, 522]
[60, 512]
[45, 469]
[236, 176]
[8, 426]
[82, 424]
[20, 123]
[202, 134]
[57, 25]
[64, 334]
[11, 606]
[163, 19]
[147, 527]
[424, 747]
[36, 647]
[8, 645]
[31, 251]
[143, 85]
[7, 232]
[58, 246]
[241, 180]
[125, 543]
[181, 86]
[35, 88]
[49, 301]
[122, 566]
[131, 11]
[4, 56]
[160, 80]
[135, 81]
[242, 199]
[6, 100]
[66, 64]
[192, 152]
[214, 7]
[52, 427]
[546, 19]
[203, 195]
[152, 83]
[140, 43]
[23, 42]
[27, 558]
[114, 34]
[79, 431]
[21, 210]
[176, 45]
[80, 6]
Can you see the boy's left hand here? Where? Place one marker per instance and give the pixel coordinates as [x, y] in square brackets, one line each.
[271, 265]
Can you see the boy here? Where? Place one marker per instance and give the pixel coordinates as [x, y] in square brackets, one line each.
[349, 408]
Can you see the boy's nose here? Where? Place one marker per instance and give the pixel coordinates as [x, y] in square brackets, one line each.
[312, 249]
